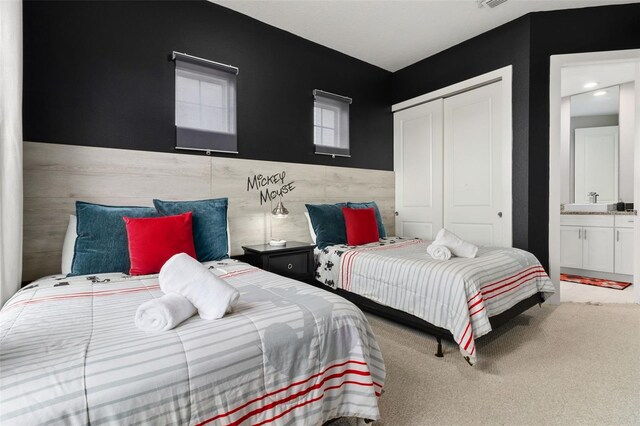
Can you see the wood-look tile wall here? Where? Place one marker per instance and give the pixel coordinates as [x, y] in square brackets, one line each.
[55, 176]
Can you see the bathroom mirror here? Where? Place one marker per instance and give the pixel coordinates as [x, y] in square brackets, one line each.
[594, 145]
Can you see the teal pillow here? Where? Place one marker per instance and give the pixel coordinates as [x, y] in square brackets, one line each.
[209, 225]
[102, 244]
[367, 205]
[328, 223]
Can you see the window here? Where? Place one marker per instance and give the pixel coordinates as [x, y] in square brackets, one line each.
[205, 104]
[331, 123]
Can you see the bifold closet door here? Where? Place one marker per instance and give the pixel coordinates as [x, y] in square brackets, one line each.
[418, 170]
[476, 177]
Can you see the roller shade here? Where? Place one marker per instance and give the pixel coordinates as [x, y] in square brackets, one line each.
[205, 104]
[331, 123]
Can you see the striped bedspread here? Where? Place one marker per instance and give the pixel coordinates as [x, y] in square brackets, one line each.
[458, 294]
[288, 354]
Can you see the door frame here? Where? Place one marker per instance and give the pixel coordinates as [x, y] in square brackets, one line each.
[503, 74]
[557, 62]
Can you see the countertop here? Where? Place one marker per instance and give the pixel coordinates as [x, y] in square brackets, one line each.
[612, 213]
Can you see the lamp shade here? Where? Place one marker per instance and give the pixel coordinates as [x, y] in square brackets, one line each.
[280, 210]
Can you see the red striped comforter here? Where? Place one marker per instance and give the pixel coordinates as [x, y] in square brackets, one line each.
[288, 354]
[459, 294]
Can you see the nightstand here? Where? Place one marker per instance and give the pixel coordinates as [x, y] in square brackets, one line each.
[294, 260]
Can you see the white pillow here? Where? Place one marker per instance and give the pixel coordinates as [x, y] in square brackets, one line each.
[311, 231]
[69, 245]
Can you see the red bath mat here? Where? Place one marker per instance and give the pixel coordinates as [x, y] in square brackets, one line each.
[618, 285]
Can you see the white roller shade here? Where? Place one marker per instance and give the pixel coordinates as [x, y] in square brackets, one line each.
[205, 104]
[331, 123]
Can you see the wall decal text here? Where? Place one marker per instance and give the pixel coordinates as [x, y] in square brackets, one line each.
[270, 187]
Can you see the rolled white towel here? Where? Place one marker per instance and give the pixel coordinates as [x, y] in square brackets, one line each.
[457, 245]
[164, 313]
[439, 252]
[186, 276]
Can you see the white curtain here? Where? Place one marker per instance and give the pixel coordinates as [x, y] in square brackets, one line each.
[10, 147]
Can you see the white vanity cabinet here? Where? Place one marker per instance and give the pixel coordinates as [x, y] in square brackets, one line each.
[597, 249]
[602, 243]
[571, 244]
[624, 245]
[586, 247]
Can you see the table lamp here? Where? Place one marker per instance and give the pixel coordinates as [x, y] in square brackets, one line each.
[279, 212]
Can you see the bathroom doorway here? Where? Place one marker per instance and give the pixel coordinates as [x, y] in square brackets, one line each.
[594, 177]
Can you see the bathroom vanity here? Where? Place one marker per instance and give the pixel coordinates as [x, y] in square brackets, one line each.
[597, 244]
[597, 148]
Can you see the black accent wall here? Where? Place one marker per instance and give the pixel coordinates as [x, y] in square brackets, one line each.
[98, 74]
[554, 33]
[502, 46]
[526, 43]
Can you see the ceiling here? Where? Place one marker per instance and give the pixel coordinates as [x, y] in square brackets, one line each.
[574, 78]
[392, 33]
[588, 104]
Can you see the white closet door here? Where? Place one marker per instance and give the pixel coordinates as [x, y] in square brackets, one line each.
[417, 141]
[477, 161]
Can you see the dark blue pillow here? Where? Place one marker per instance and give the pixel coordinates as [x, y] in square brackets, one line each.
[209, 225]
[328, 223]
[367, 205]
[102, 244]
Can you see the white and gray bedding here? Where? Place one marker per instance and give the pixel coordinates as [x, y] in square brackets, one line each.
[288, 354]
[458, 294]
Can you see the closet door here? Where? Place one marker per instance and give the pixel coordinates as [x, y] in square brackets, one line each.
[477, 162]
[417, 154]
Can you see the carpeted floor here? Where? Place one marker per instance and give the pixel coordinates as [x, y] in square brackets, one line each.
[573, 364]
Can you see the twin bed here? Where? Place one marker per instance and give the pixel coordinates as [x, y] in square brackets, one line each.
[289, 353]
[454, 299]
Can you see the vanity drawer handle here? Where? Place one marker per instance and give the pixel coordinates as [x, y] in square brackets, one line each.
[579, 233]
[290, 266]
[617, 235]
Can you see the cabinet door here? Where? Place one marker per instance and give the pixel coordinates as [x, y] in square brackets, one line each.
[624, 251]
[597, 249]
[571, 246]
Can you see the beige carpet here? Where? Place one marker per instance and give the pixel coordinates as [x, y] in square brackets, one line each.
[574, 364]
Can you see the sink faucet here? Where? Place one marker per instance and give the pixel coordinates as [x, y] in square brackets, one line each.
[593, 197]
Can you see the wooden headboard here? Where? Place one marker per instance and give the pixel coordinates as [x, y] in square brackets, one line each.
[55, 176]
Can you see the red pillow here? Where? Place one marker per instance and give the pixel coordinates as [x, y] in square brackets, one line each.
[361, 225]
[153, 240]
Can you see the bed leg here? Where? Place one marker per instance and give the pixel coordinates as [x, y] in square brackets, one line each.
[439, 353]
